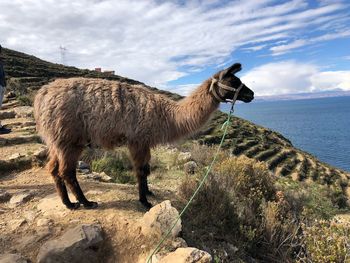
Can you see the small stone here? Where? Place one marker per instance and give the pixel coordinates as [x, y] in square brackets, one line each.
[187, 255]
[93, 176]
[10, 95]
[51, 205]
[12, 258]
[41, 153]
[30, 216]
[20, 198]
[84, 171]
[15, 156]
[190, 167]
[179, 242]
[16, 223]
[184, 157]
[44, 222]
[159, 219]
[4, 196]
[83, 165]
[105, 178]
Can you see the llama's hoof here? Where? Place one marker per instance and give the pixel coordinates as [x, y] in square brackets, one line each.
[73, 206]
[146, 204]
[90, 205]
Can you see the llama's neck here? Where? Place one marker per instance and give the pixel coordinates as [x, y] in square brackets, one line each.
[193, 112]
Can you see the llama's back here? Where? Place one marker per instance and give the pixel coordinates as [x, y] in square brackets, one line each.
[106, 113]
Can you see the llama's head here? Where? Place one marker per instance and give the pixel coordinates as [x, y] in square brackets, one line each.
[225, 85]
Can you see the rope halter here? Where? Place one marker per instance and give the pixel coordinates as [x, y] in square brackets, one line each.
[225, 87]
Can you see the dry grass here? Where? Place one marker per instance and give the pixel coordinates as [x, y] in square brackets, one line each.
[244, 213]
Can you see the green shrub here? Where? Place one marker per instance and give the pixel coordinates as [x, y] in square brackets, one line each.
[312, 201]
[25, 100]
[238, 208]
[116, 164]
[326, 241]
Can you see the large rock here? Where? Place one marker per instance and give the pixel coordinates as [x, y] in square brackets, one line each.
[187, 255]
[79, 244]
[159, 219]
[12, 258]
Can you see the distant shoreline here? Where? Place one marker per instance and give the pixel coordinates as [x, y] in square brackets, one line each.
[303, 96]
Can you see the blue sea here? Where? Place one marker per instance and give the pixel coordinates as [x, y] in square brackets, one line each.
[318, 126]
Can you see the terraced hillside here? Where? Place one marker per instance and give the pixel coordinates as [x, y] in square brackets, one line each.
[279, 154]
[27, 74]
[22, 147]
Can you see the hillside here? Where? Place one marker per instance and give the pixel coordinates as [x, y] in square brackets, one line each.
[27, 73]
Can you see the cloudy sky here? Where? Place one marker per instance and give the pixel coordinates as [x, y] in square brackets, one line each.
[284, 46]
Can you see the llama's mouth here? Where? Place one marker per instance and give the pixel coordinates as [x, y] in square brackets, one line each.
[247, 98]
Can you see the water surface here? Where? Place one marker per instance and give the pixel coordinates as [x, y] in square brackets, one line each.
[318, 126]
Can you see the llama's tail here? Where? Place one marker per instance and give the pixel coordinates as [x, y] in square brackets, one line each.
[52, 164]
[39, 108]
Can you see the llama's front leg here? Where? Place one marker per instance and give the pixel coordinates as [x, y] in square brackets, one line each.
[73, 184]
[143, 186]
[141, 157]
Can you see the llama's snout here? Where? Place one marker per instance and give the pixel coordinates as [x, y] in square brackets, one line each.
[246, 94]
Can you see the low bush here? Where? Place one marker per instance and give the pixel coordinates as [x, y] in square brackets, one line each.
[116, 164]
[203, 154]
[237, 213]
[244, 213]
[326, 241]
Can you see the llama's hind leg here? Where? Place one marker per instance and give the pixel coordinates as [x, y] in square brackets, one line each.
[67, 171]
[53, 167]
[141, 157]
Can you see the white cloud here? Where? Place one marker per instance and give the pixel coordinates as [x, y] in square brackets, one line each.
[154, 41]
[185, 89]
[282, 49]
[329, 80]
[289, 77]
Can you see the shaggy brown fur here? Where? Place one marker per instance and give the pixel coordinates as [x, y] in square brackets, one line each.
[71, 113]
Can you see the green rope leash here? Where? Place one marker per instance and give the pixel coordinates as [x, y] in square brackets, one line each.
[225, 126]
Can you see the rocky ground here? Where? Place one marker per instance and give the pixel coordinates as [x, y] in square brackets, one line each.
[36, 227]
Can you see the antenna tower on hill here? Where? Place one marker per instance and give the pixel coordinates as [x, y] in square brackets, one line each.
[63, 51]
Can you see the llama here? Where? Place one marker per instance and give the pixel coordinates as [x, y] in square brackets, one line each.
[72, 113]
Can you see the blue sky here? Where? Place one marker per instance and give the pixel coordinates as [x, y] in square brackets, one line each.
[284, 46]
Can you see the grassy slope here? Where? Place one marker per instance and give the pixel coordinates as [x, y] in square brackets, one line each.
[27, 73]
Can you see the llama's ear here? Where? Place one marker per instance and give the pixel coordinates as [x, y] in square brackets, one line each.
[231, 70]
